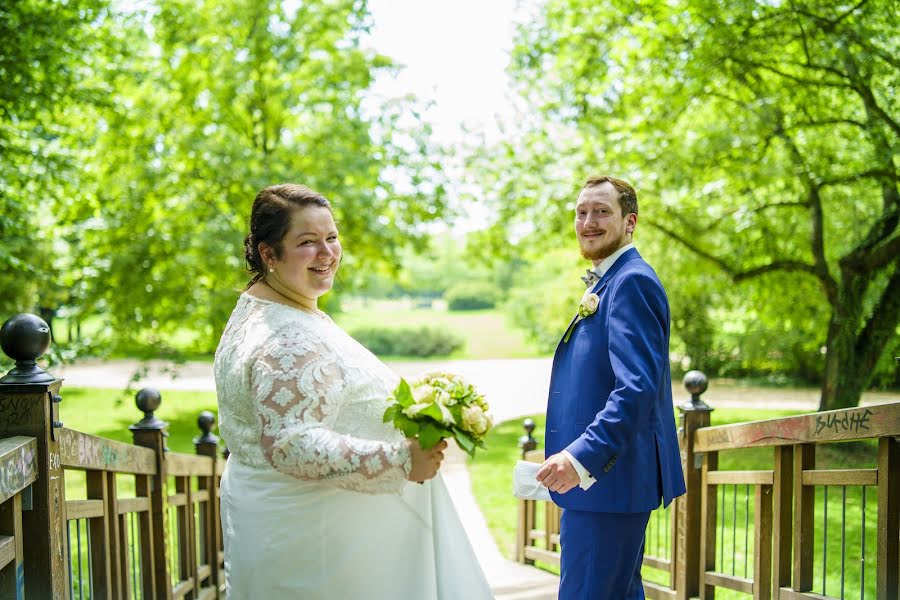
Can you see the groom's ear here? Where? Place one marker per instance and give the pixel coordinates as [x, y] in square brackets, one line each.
[630, 222]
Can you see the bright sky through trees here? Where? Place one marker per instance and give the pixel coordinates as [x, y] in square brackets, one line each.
[454, 54]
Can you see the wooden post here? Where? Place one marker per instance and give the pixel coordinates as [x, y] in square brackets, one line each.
[804, 507]
[150, 432]
[762, 544]
[888, 574]
[208, 445]
[29, 406]
[708, 514]
[527, 508]
[694, 414]
[782, 517]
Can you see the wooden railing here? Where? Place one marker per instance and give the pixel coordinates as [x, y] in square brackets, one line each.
[139, 521]
[784, 523]
[18, 470]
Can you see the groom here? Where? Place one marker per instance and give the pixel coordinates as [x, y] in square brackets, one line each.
[612, 451]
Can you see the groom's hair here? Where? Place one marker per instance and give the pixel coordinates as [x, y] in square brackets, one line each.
[627, 195]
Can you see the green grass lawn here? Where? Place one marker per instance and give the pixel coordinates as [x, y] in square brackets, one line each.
[487, 333]
[491, 473]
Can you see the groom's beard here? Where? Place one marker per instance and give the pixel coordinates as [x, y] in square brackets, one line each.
[599, 252]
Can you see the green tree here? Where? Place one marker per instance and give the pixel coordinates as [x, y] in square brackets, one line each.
[47, 49]
[764, 139]
[215, 101]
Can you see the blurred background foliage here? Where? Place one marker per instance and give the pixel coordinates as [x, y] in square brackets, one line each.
[763, 139]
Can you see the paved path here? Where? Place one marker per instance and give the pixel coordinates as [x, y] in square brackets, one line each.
[514, 388]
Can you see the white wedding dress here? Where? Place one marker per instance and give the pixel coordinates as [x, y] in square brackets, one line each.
[315, 501]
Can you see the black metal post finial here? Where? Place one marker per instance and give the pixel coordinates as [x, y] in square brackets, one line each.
[527, 442]
[25, 338]
[695, 382]
[205, 422]
[147, 401]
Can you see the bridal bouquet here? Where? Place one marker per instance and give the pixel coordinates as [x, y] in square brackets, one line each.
[438, 406]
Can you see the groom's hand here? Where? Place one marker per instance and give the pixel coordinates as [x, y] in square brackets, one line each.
[558, 474]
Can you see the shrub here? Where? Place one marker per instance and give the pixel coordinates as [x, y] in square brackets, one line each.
[472, 295]
[418, 342]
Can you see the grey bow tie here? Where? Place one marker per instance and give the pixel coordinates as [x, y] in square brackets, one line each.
[590, 279]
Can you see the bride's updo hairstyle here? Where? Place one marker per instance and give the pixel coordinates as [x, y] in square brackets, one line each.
[270, 219]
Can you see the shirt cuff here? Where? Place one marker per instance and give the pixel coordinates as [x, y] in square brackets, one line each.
[586, 479]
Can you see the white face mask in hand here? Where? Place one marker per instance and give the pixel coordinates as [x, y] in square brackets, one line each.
[525, 483]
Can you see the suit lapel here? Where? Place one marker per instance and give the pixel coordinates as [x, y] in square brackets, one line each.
[631, 254]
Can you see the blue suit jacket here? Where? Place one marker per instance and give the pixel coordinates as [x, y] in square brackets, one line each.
[610, 402]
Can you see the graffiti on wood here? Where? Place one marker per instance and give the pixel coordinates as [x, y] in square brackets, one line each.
[15, 410]
[851, 421]
[17, 470]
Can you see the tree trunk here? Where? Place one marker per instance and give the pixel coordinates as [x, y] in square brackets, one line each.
[849, 356]
[845, 376]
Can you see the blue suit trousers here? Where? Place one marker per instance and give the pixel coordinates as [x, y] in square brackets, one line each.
[602, 555]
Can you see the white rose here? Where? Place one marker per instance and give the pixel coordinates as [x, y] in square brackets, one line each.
[474, 420]
[422, 393]
[589, 305]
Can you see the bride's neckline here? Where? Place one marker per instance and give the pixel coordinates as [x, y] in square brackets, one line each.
[302, 309]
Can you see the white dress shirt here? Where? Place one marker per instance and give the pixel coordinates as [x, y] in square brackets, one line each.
[587, 480]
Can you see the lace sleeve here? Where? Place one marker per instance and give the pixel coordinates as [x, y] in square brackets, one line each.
[297, 393]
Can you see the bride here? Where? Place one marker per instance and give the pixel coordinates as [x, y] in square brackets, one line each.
[315, 496]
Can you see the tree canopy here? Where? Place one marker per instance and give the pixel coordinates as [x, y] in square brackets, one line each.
[181, 114]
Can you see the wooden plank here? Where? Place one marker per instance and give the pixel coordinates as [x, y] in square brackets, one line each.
[542, 555]
[83, 451]
[114, 540]
[220, 467]
[83, 509]
[841, 477]
[887, 586]
[18, 465]
[731, 582]
[782, 517]
[200, 496]
[787, 593]
[829, 426]
[133, 505]
[7, 550]
[740, 477]
[101, 573]
[203, 571]
[207, 593]
[804, 507]
[182, 465]
[762, 543]
[146, 523]
[12, 575]
[708, 516]
[176, 500]
[654, 591]
[181, 589]
[656, 563]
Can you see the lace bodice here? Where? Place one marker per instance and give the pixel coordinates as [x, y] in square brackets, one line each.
[297, 394]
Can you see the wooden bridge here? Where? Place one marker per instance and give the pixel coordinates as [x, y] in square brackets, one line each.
[685, 546]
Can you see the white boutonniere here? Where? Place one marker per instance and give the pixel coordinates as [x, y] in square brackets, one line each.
[589, 303]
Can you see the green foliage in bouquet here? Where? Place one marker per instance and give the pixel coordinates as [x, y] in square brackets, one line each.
[438, 406]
